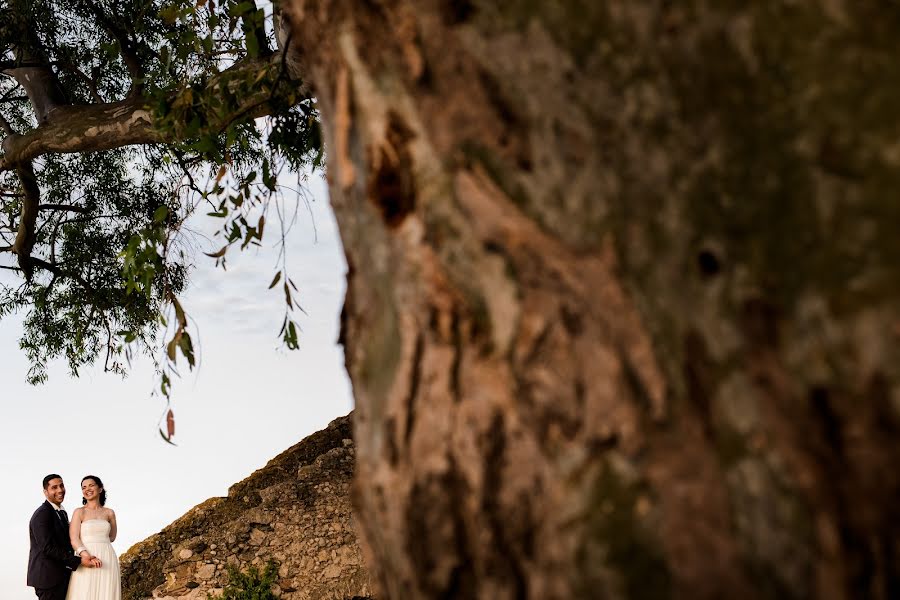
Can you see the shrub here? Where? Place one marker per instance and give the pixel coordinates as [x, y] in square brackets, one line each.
[250, 585]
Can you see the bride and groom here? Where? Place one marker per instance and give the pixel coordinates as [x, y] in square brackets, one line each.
[73, 561]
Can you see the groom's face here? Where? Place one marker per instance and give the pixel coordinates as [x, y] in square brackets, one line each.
[56, 491]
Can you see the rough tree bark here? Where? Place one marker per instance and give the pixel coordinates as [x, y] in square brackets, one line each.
[622, 318]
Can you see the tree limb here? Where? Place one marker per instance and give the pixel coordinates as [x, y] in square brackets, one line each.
[33, 72]
[253, 25]
[91, 83]
[25, 237]
[63, 207]
[58, 272]
[6, 127]
[126, 46]
[83, 128]
[8, 65]
[127, 122]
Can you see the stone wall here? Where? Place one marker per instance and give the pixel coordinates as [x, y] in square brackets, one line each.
[295, 511]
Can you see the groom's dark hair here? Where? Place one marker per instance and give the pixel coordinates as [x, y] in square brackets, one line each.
[50, 478]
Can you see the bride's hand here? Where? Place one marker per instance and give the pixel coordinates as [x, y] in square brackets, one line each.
[96, 562]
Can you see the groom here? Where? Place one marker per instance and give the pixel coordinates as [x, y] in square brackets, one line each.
[51, 559]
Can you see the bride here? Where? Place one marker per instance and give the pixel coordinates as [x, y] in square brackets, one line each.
[92, 530]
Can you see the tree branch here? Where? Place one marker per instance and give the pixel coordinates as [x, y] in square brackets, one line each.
[8, 65]
[253, 25]
[43, 264]
[33, 72]
[126, 47]
[91, 83]
[6, 127]
[83, 128]
[128, 122]
[64, 207]
[25, 237]
[57, 272]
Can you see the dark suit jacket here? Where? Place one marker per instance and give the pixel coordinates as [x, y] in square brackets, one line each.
[51, 559]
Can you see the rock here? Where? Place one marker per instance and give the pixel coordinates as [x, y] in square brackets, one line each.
[332, 571]
[257, 537]
[206, 572]
[295, 511]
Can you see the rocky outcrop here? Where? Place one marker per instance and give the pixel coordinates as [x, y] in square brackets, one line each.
[294, 511]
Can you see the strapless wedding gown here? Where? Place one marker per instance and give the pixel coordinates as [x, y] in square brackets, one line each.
[102, 583]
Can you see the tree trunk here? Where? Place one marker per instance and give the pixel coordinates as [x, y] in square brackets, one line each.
[622, 317]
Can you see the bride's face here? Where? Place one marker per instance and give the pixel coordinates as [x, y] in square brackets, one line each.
[90, 489]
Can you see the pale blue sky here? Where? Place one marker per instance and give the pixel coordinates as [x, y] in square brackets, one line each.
[248, 401]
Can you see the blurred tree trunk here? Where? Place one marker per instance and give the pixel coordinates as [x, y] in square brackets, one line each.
[623, 317]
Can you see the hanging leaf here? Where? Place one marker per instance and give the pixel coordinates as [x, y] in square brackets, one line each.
[170, 423]
[167, 440]
[170, 348]
[160, 214]
[218, 254]
[179, 313]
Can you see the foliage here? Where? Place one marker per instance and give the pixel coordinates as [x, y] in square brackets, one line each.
[110, 260]
[250, 585]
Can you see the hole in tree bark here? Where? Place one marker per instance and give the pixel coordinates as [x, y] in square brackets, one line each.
[708, 263]
[571, 320]
[492, 247]
[820, 402]
[392, 187]
[458, 11]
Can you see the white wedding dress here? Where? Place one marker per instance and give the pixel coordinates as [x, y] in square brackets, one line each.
[102, 583]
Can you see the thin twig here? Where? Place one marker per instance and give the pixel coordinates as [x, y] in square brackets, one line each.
[63, 207]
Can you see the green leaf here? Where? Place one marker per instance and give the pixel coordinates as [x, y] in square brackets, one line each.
[187, 348]
[167, 440]
[160, 214]
[252, 44]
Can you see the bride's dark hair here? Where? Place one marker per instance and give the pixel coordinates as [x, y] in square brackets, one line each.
[99, 485]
